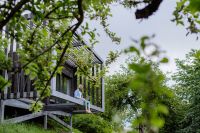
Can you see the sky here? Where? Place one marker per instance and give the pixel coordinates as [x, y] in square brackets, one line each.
[169, 36]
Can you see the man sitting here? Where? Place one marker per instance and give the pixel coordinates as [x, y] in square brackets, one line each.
[78, 94]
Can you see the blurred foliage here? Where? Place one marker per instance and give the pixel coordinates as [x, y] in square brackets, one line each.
[148, 84]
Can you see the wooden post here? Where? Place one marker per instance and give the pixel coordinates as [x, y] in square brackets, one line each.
[53, 80]
[97, 89]
[84, 86]
[2, 107]
[45, 121]
[102, 92]
[75, 83]
[89, 98]
[28, 87]
[70, 123]
[4, 35]
[15, 77]
[22, 84]
[93, 100]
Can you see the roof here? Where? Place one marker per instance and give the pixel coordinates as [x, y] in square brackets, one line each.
[80, 45]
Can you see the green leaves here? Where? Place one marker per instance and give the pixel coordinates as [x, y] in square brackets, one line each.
[4, 83]
[140, 68]
[132, 49]
[143, 42]
[194, 6]
[112, 57]
[187, 14]
[32, 71]
[164, 60]
[45, 33]
[5, 64]
[36, 107]
[157, 122]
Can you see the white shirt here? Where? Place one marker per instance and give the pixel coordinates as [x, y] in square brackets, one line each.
[78, 93]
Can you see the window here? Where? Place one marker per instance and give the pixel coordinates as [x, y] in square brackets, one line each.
[63, 84]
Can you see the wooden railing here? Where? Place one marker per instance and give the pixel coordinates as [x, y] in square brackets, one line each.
[21, 85]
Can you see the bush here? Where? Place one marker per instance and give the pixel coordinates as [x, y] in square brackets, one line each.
[89, 123]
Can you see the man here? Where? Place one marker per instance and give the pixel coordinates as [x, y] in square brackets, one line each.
[78, 94]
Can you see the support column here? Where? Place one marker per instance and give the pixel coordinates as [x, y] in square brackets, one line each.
[70, 123]
[2, 108]
[45, 120]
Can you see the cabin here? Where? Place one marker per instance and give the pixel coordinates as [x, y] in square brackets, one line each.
[61, 102]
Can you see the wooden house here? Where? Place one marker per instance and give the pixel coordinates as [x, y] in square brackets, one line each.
[62, 102]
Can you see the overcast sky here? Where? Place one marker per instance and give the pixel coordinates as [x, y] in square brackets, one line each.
[170, 37]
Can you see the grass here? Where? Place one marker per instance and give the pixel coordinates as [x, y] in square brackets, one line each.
[34, 128]
[23, 128]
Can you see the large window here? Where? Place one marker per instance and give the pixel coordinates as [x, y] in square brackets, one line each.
[63, 84]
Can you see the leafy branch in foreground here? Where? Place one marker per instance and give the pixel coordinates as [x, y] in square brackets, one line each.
[148, 83]
[187, 14]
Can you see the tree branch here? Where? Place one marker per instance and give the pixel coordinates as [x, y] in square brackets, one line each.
[12, 13]
[80, 20]
[48, 49]
[148, 10]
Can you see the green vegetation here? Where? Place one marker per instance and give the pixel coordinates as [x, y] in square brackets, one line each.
[187, 81]
[35, 128]
[31, 128]
[22, 128]
[92, 124]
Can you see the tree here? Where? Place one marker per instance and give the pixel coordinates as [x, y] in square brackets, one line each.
[177, 110]
[120, 100]
[187, 79]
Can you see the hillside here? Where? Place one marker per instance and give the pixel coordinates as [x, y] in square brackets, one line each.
[33, 128]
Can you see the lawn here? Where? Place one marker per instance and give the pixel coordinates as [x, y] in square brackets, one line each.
[34, 128]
